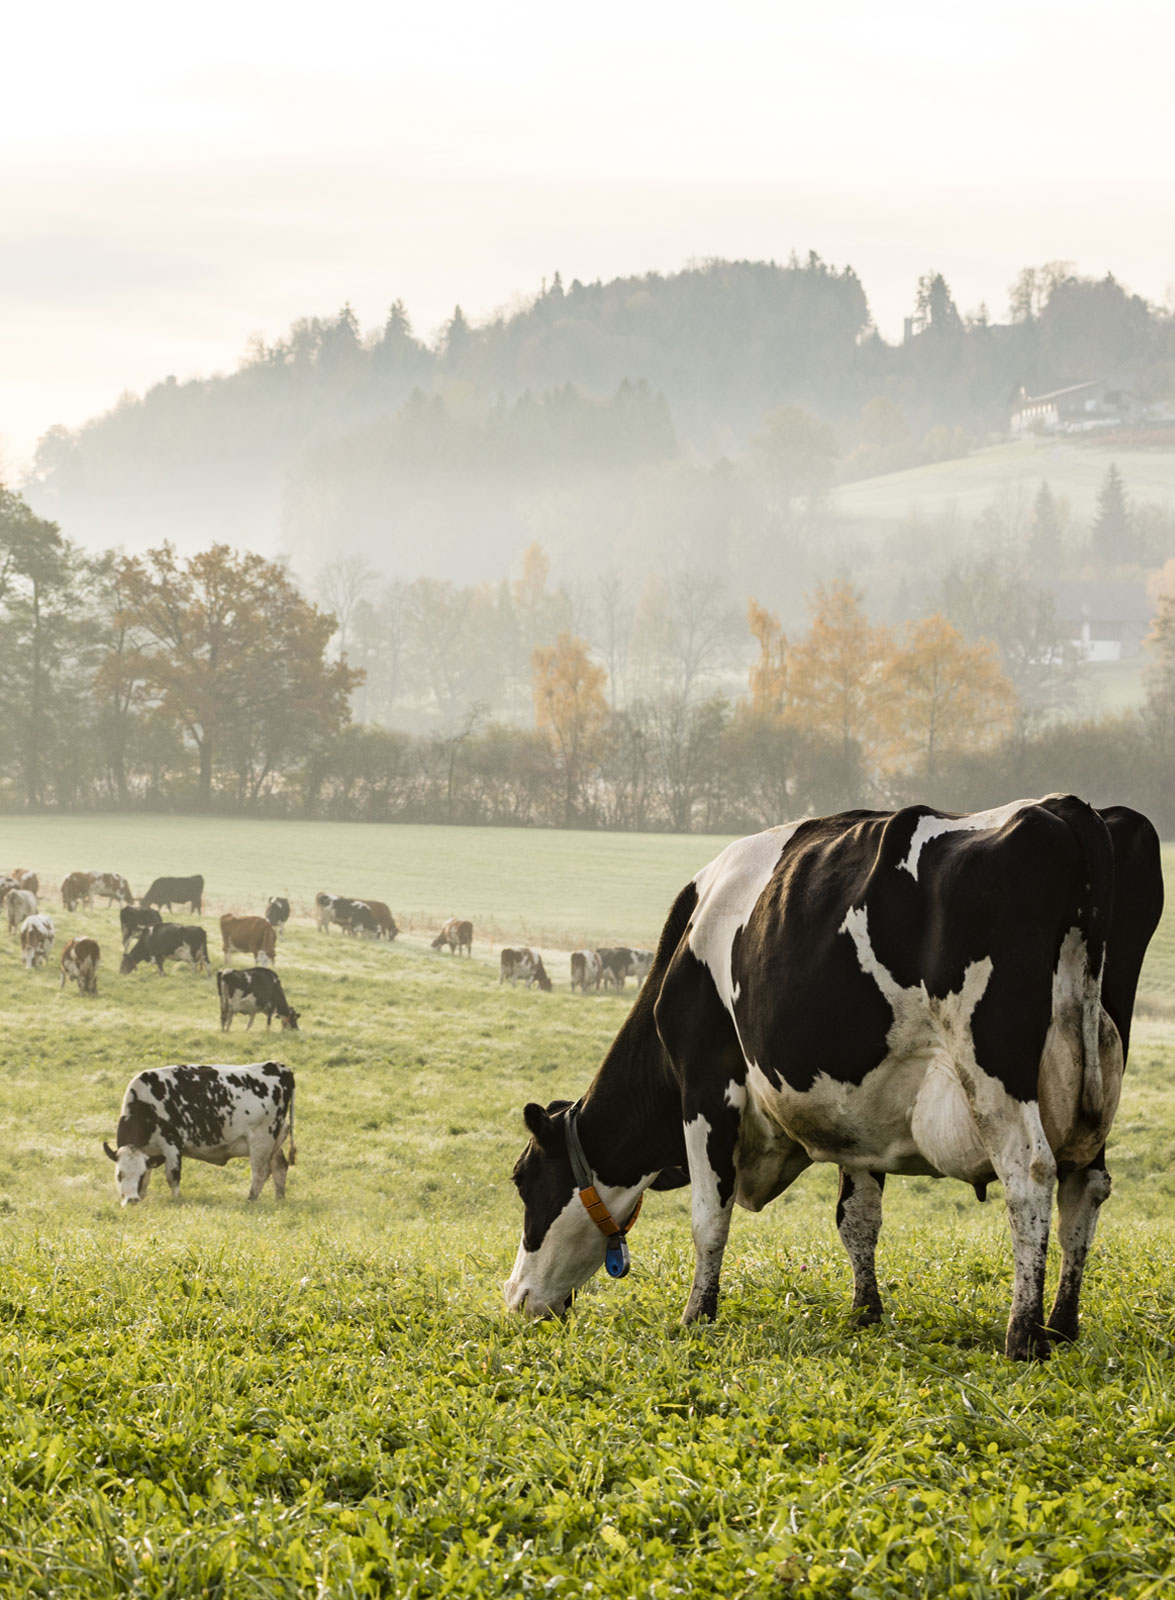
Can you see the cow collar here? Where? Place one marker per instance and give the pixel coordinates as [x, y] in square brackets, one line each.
[616, 1258]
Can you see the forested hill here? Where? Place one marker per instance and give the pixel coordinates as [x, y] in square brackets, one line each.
[555, 421]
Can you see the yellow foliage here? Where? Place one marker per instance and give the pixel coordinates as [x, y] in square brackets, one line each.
[768, 677]
[837, 676]
[945, 696]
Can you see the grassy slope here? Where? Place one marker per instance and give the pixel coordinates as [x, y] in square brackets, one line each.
[1002, 471]
[212, 1398]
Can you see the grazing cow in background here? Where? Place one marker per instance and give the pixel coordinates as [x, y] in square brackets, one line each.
[210, 1113]
[586, 970]
[79, 960]
[909, 992]
[257, 989]
[166, 892]
[523, 963]
[457, 935]
[21, 903]
[324, 911]
[384, 921]
[355, 917]
[250, 936]
[75, 891]
[617, 964]
[112, 885]
[277, 911]
[27, 880]
[7, 885]
[133, 919]
[36, 939]
[169, 942]
[642, 964]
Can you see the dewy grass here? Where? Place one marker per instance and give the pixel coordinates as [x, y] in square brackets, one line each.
[328, 1398]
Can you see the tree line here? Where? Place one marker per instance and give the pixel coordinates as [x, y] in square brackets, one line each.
[550, 421]
[211, 683]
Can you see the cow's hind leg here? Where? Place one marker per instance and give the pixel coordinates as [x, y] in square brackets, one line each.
[260, 1160]
[279, 1166]
[858, 1221]
[1080, 1195]
[1027, 1170]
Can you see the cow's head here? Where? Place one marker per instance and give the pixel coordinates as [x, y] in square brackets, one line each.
[290, 1020]
[544, 983]
[561, 1246]
[132, 1171]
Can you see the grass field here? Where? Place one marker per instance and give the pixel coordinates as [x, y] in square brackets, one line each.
[208, 1398]
[1004, 473]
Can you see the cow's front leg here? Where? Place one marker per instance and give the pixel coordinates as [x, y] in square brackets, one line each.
[858, 1221]
[1080, 1195]
[1027, 1170]
[711, 1141]
[173, 1163]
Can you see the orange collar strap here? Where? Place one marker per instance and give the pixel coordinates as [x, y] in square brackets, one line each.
[593, 1205]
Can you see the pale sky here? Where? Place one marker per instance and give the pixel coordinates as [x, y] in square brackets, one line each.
[174, 180]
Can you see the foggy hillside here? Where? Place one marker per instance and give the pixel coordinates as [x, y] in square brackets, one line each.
[699, 419]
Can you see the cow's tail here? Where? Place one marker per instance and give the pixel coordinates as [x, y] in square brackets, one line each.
[1096, 907]
[293, 1155]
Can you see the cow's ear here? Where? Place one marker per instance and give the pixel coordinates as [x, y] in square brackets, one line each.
[670, 1178]
[541, 1126]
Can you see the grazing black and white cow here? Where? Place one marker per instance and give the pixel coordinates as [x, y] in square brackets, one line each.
[210, 1113]
[586, 970]
[166, 892]
[278, 911]
[36, 939]
[253, 991]
[523, 963]
[457, 935]
[913, 992]
[79, 960]
[133, 919]
[616, 964]
[112, 886]
[642, 964]
[169, 942]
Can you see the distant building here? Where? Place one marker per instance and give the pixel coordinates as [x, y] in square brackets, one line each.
[1079, 408]
[1105, 621]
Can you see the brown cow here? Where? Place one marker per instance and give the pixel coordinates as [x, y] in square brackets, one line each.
[384, 920]
[79, 960]
[457, 935]
[523, 963]
[75, 891]
[251, 936]
[27, 880]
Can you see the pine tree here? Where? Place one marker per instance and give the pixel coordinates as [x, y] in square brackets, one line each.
[1112, 535]
[1045, 538]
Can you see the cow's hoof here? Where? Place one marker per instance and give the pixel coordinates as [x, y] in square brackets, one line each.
[1028, 1344]
[866, 1312]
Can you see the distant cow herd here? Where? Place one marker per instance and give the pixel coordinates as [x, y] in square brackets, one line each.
[213, 1113]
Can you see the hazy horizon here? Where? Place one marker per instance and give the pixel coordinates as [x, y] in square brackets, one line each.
[169, 194]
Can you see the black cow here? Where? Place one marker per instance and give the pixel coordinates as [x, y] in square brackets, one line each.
[912, 992]
[210, 1113]
[278, 911]
[253, 991]
[166, 892]
[355, 916]
[169, 942]
[133, 919]
[616, 964]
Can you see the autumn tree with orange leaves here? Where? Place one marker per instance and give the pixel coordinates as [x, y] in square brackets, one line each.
[944, 696]
[570, 709]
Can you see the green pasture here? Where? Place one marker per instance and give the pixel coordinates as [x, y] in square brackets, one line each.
[1007, 474]
[327, 1398]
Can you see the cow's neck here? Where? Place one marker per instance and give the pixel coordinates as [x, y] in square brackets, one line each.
[630, 1119]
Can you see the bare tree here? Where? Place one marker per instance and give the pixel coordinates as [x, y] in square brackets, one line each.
[341, 586]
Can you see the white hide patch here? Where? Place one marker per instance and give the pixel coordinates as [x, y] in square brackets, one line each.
[929, 828]
[728, 891]
[571, 1251]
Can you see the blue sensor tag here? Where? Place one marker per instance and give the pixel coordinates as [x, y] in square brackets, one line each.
[616, 1260]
